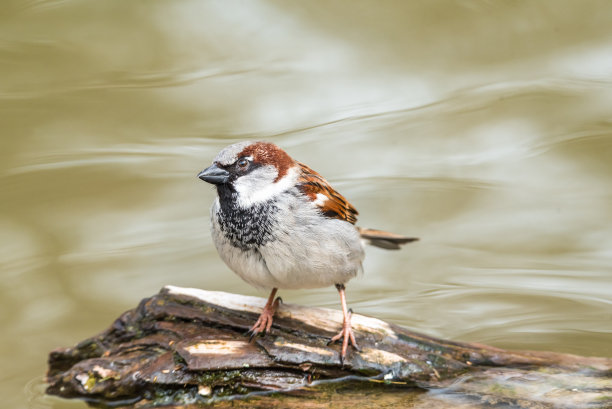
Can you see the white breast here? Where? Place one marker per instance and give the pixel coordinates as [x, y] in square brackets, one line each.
[308, 250]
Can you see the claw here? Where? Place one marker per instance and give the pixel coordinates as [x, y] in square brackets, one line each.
[264, 322]
[346, 333]
[251, 336]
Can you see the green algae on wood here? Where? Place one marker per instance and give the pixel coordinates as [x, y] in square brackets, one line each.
[186, 346]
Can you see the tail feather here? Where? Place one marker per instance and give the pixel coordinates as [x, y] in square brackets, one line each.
[383, 239]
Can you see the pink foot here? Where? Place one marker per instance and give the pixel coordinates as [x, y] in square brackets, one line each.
[345, 334]
[264, 322]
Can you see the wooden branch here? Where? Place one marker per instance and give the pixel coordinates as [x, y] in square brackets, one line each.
[186, 346]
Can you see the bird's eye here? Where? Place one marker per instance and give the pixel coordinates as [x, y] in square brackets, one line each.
[243, 163]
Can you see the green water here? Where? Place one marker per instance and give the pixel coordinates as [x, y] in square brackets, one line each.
[482, 127]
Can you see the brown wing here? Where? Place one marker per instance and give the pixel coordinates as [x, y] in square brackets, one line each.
[331, 203]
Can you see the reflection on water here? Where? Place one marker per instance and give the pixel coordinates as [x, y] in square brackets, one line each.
[483, 128]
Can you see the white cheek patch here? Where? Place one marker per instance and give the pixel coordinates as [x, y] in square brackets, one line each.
[259, 185]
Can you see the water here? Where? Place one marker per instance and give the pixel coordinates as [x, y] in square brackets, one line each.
[482, 127]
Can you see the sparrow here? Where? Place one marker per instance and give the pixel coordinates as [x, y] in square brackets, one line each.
[279, 224]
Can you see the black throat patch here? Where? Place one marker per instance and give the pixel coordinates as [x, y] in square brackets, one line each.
[247, 228]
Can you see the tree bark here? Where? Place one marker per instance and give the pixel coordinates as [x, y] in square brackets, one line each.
[185, 346]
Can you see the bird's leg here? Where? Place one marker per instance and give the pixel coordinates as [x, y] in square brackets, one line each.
[264, 322]
[347, 332]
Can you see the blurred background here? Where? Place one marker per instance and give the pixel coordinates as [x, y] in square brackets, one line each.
[482, 127]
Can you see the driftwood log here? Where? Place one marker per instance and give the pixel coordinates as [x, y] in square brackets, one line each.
[186, 347]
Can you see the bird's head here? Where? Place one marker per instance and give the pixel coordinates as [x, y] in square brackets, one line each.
[251, 172]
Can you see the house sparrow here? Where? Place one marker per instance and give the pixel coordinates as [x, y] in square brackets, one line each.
[278, 224]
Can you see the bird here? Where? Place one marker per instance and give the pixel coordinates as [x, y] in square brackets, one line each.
[278, 224]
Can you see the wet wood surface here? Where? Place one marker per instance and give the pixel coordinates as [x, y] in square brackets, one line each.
[185, 347]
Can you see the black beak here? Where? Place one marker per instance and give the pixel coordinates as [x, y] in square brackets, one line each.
[215, 175]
